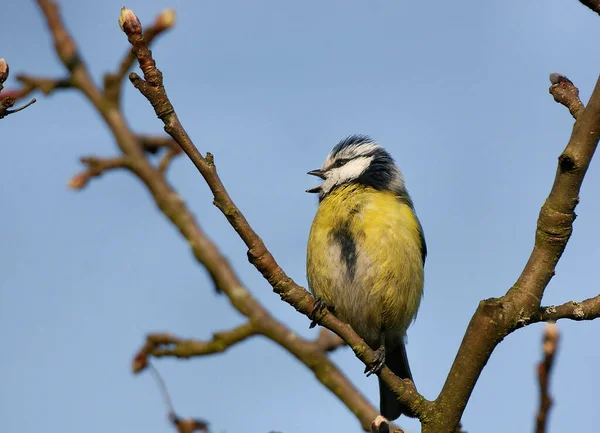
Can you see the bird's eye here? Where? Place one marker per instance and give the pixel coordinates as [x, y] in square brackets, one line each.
[339, 163]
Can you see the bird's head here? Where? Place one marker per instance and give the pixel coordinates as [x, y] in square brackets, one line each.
[358, 159]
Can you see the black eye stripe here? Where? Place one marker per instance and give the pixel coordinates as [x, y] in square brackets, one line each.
[340, 162]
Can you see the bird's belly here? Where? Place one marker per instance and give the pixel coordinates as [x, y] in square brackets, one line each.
[373, 293]
[365, 259]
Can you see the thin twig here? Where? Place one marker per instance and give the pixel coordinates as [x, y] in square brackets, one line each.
[166, 160]
[183, 425]
[159, 345]
[544, 368]
[97, 167]
[584, 310]
[8, 99]
[8, 102]
[162, 387]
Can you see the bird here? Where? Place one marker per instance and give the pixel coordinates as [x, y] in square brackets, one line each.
[366, 254]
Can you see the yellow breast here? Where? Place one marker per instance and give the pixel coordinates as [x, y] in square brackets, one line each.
[364, 258]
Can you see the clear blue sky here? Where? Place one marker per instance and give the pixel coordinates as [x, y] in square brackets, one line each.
[456, 91]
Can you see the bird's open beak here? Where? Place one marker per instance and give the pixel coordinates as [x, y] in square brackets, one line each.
[318, 172]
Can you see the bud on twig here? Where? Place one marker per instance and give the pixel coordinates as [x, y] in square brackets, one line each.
[79, 181]
[165, 20]
[129, 22]
[551, 336]
[557, 78]
[140, 362]
[3, 71]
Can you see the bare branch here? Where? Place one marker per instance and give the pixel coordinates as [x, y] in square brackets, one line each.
[97, 167]
[43, 84]
[66, 49]
[544, 368]
[8, 102]
[162, 387]
[159, 345]
[166, 160]
[183, 425]
[584, 310]
[496, 318]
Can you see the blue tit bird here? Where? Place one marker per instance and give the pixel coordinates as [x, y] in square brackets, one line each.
[366, 253]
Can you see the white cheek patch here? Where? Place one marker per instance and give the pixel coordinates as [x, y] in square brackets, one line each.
[348, 172]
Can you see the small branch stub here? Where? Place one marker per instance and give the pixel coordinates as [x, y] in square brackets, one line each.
[565, 93]
[96, 167]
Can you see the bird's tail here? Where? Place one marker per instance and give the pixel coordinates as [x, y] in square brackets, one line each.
[397, 361]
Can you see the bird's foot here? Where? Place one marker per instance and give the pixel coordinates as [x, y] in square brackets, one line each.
[378, 363]
[320, 307]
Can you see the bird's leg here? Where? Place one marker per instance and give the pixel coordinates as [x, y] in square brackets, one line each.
[379, 361]
[320, 306]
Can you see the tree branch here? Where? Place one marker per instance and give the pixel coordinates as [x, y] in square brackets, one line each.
[43, 84]
[182, 425]
[544, 368]
[97, 167]
[496, 318]
[8, 102]
[152, 88]
[159, 345]
[584, 310]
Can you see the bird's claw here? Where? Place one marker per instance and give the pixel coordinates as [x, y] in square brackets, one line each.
[378, 363]
[320, 306]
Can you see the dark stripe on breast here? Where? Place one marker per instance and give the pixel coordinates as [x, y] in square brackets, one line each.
[347, 248]
[344, 238]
